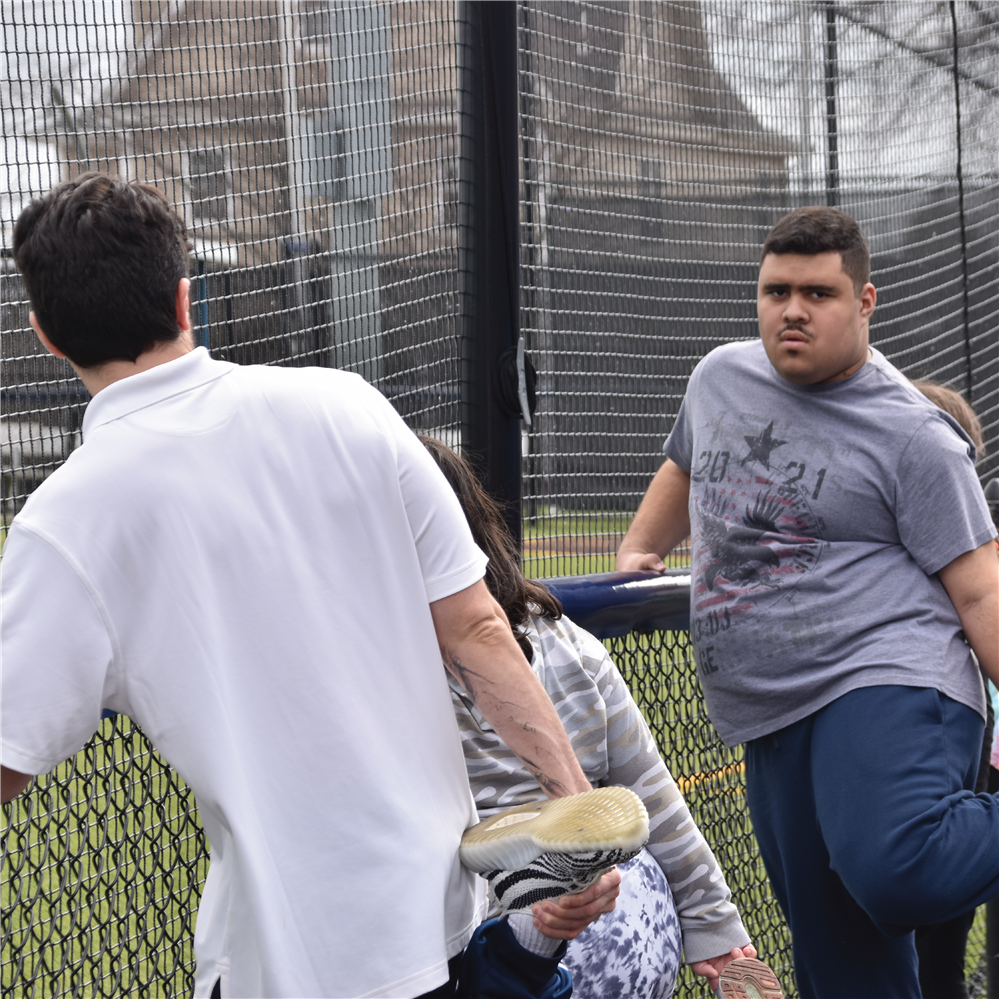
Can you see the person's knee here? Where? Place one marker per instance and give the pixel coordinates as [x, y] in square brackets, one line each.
[896, 896]
[893, 908]
[924, 870]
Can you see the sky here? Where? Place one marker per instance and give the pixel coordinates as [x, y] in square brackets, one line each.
[895, 108]
[54, 51]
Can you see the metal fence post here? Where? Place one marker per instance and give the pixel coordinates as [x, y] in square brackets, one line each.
[832, 125]
[489, 241]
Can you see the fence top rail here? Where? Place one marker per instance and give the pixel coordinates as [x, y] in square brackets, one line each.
[610, 604]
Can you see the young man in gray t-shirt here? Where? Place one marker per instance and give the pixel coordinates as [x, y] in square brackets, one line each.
[843, 573]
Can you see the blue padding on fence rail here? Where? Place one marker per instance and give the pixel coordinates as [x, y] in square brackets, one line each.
[609, 604]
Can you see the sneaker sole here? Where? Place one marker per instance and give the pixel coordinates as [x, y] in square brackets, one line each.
[607, 818]
[747, 978]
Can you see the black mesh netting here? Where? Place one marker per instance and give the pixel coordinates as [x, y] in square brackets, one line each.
[661, 141]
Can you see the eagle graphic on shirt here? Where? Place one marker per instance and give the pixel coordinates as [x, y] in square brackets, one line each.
[736, 552]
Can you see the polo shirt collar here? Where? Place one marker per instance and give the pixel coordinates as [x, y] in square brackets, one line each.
[152, 386]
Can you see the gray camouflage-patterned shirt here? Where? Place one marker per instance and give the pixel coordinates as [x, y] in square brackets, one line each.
[614, 746]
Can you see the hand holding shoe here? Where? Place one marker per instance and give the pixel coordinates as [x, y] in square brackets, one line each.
[711, 969]
[566, 917]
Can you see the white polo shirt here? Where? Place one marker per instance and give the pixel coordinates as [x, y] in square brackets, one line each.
[241, 559]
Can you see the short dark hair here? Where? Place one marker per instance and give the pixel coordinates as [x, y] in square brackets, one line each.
[817, 229]
[517, 595]
[101, 259]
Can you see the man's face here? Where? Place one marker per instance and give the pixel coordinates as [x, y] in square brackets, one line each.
[812, 322]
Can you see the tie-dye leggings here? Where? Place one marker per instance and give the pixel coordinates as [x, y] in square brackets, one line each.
[634, 951]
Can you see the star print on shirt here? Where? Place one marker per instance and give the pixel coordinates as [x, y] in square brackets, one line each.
[760, 447]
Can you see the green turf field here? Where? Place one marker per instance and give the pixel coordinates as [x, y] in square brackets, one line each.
[567, 543]
[572, 544]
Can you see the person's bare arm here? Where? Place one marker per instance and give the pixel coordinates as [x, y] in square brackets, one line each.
[972, 583]
[478, 647]
[12, 783]
[661, 523]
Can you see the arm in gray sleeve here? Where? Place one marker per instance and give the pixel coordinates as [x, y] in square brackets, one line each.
[709, 921]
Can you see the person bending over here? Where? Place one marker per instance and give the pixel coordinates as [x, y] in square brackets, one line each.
[673, 896]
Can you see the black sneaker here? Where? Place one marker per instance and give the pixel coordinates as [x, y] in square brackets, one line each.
[747, 978]
[553, 848]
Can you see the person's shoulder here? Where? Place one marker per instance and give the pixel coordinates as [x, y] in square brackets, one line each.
[729, 358]
[74, 492]
[303, 379]
[564, 642]
[891, 385]
[939, 431]
[902, 405]
[892, 380]
[329, 389]
[575, 665]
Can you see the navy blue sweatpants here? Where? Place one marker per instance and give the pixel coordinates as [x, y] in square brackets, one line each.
[867, 828]
[495, 966]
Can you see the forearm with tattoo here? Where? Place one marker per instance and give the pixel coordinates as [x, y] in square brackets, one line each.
[480, 651]
[478, 688]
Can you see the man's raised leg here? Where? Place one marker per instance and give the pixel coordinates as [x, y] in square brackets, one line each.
[893, 769]
[838, 951]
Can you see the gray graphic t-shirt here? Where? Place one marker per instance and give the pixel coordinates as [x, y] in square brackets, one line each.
[819, 517]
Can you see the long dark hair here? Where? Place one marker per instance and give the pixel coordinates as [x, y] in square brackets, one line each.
[518, 596]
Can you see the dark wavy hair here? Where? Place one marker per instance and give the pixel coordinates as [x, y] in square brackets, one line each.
[101, 260]
[519, 597]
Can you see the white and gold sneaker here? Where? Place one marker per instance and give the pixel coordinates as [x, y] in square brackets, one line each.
[551, 848]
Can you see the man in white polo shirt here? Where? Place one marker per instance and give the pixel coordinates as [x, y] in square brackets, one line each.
[261, 567]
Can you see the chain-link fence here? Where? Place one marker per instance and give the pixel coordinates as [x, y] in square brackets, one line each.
[313, 148]
[104, 862]
[104, 859]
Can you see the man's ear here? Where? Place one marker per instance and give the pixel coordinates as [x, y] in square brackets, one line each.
[183, 305]
[868, 299]
[40, 333]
